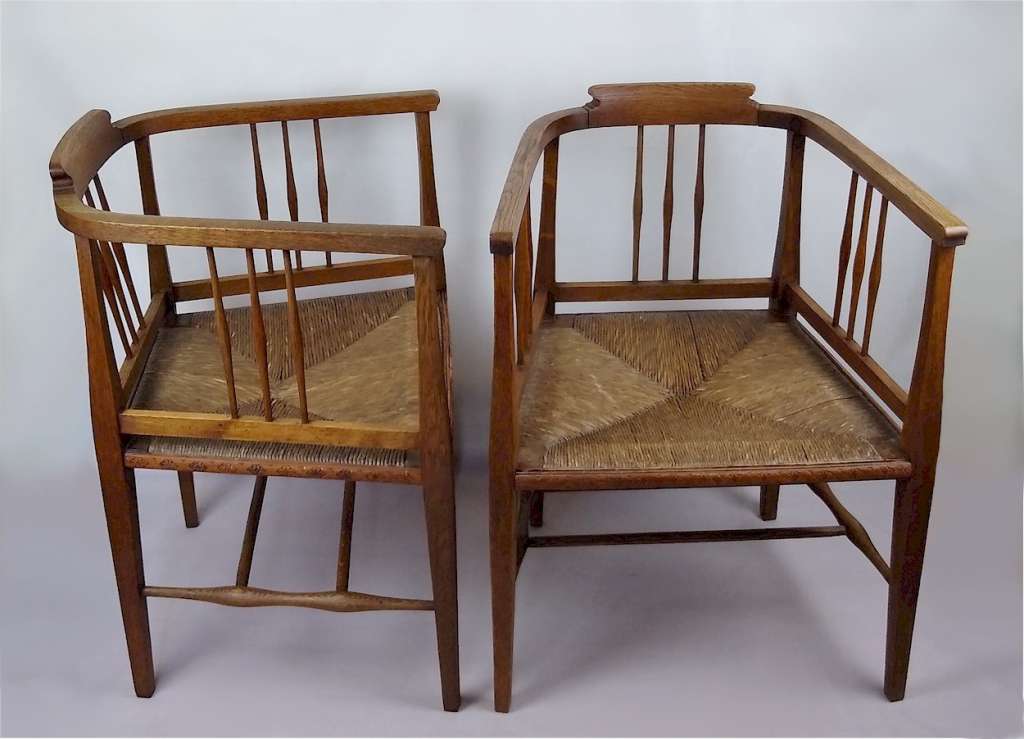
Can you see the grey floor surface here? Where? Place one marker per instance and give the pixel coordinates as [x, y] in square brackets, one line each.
[777, 638]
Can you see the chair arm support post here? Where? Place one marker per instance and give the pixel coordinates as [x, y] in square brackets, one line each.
[786, 264]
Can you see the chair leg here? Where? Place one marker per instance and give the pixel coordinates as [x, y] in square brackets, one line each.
[504, 565]
[348, 509]
[120, 505]
[911, 509]
[188, 499]
[439, 502]
[537, 509]
[769, 508]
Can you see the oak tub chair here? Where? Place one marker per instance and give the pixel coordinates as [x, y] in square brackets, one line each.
[676, 399]
[347, 387]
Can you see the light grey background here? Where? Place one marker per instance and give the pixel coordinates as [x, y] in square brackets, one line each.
[764, 638]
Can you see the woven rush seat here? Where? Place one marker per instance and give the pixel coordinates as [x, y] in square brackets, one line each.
[691, 389]
[360, 361]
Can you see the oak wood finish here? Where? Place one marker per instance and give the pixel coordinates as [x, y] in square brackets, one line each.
[123, 433]
[328, 600]
[698, 204]
[768, 505]
[679, 537]
[188, 499]
[348, 509]
[517, 495]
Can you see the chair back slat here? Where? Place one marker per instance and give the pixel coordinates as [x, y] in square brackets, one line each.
[259, 336]
[321, 180]
[667, 204]
[698, 203]
[223, 333]
[859, 259]
[638, 201]
[295, 342]
[844, 249]
[875, 277]
[261, 187]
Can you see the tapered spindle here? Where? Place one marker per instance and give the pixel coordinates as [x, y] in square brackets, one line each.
[259, 336]
[223, 333]
[108, 292]
[638, 201]
[667, 207]
[844, 248]
[698, 203]
[523, 281]
[261, 187]
[859, 259]
[108, 267]
[321, 179]
[122, 260]
[295, 336]
[289, 175]
[875, 277]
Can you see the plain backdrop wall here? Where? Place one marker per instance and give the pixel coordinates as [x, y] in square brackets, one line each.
[934, 88]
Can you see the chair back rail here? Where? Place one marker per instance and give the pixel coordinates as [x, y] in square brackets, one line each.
[109, 289]
[526, 289]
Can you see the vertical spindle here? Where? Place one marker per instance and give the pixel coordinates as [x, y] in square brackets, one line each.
[844, 249]
[289, 174]
[321, 180]
[295, 336]
[876, 274]
[859, 258]
[667, 207]
[261, 187]
[259, 336]
[638, 201]
[698, 203]
[122, 259]
[223, 333]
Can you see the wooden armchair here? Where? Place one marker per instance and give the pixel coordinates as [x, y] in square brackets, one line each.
[349, 387]
[709, 398]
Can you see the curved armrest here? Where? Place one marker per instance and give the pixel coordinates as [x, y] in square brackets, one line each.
[921, 208]
[517, 185]
[203, 116]
[247, 234]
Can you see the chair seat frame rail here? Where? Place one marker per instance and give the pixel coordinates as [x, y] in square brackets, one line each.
[526, 293]
[118, 321]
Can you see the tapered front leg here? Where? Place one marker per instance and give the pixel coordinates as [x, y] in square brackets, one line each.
[504, 564]
[188, 499]
[439, 501]
[769, 508]
[911, 510]
[121, 508]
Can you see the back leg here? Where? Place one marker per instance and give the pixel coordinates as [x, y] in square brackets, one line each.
[188, 499]
[769, 507]
[537, 509]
